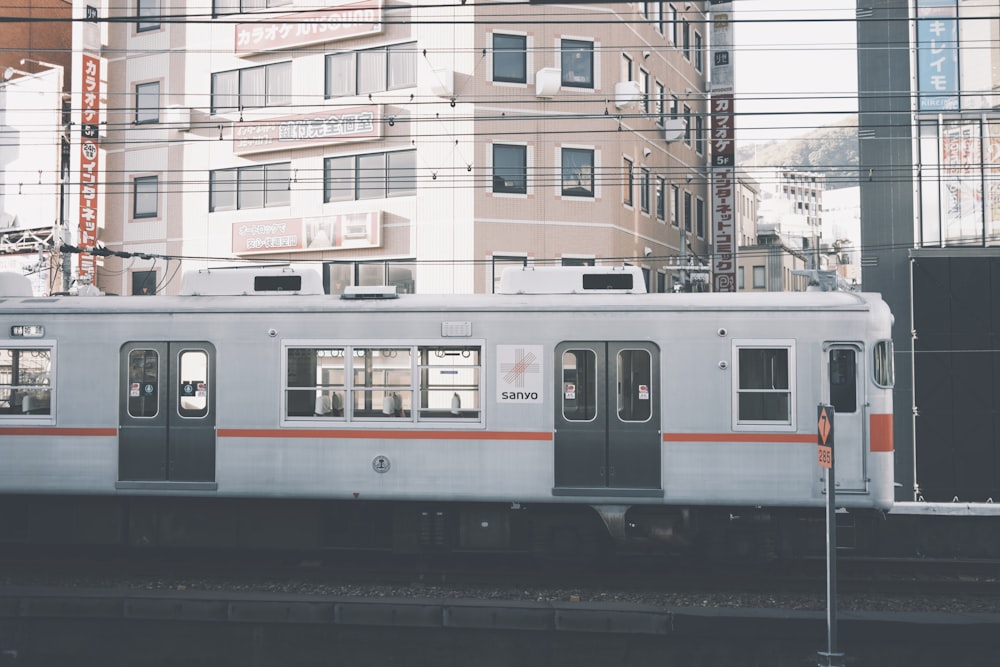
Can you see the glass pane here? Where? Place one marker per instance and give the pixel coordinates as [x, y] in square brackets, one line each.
[193, 395]
[250, 188]
[143, 379]
[145, 197]
[340, 74]
[843, 381]
[579, 385]
[371, 71]
[383, 380]
[510, 58]
[763, 407]
[402, 173]
[225, 91]
[449, 382]
[371, 176]
[634, 386]
[278, 184]
[762, 368]
[510, 167]
[883, 364]
[577, 63]
[279, 84]
[402, 66]
[147, 103]
[577, 172]
[222, 184]
[339, 179]
[252, 87]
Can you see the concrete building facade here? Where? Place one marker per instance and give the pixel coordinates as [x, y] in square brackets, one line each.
[407, 144]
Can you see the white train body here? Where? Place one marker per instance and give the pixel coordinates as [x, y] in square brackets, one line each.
[611, 400]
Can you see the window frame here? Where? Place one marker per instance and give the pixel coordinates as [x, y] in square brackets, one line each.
[516, 56]
[270, 95]
[747, 424]
[357, 357]
[17, 386]
[514, 171]
[396, 176]
[137, 196]
[147, 9]
[567, 49]
[145, 114]
[586, 192]
[269, 189]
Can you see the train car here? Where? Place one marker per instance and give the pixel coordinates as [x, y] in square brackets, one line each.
[571, 411]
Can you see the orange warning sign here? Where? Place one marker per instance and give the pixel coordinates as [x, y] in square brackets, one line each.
[824, 431]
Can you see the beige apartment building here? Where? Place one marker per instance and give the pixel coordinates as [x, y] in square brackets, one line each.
[417, 145]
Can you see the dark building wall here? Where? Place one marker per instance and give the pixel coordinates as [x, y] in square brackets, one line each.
[956, 320]
[887, 216]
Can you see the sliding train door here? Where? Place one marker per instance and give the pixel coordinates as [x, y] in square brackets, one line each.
[167, 412]
[844, 389]
[607, 418]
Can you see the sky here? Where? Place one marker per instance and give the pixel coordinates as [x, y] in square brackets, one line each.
[794, 66]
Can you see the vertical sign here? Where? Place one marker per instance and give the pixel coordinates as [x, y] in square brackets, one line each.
[824, 433]
[89, 102]
[723, 150]
[937, 55]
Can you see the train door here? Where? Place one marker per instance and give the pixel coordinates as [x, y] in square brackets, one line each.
[607, 417]
[844, 389]
[167, 412]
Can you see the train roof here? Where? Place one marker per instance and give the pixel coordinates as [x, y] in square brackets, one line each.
[612, 299]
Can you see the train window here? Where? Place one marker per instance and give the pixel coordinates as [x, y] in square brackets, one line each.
[635, 373]
[763, 391]
[882, 364]
[382, 383]
[25, 381]
[843, 380]
[449, 382]
[579, 385]
[315, 382]
[143, 379]
[192, 396]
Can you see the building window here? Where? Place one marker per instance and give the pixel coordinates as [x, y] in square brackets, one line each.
[577, 63]
[699, 217]
[644, 190]
[147, 10]
[629, 182]
[224, 7]
[759, 281]
[686, 39]
[699, 135]
[145, 193]
[252, 87]
[687, 125]
[661, 194]
[687, 212]
[143, 283]
[644, 89]
[740, 281]
[661, 104]
[370, 176]
[510, 169]
[510, 58]
[697, 51]
[371, 70]
[258, 186]
[577, 172]
[675, 209]
[147, 102]
[764, 392]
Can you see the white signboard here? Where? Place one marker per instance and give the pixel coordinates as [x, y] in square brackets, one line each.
[520, 376]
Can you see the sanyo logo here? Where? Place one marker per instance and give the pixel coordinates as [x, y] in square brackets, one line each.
[519, 373]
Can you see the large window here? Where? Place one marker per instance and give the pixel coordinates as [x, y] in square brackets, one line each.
[263, 86]
[148, 12]
[577, 63]
[370, 176]
[644, 190]
[510, 169]
[661, 194]
[26, 381]
[371, 70]
[223, 7]
[882, 363]
[764, 391]
[258, 186]
[143, 375]
[147, 102]
[577, 172]
[510, 58]
[393, 382]
[145, 196]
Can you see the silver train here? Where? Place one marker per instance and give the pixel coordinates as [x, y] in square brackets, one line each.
[570, 411]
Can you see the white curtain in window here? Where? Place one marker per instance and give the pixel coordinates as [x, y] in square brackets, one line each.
[279, 84]
[252, 87]
[340, 74]
[402, 66]
[371, 71]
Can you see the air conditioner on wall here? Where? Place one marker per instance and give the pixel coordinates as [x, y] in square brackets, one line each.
[547, 81]
[442, 82]
[626, 93]
[673, 129]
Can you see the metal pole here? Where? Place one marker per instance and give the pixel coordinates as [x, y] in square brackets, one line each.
[831, 657]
